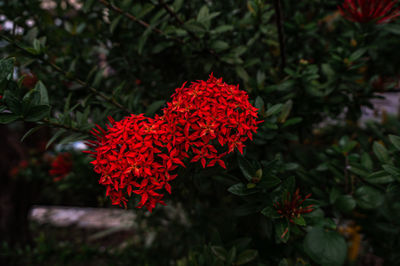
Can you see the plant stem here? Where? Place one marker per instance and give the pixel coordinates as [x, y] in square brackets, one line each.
[138, 21]
[281, 37]
[70, 128]
[68, 75]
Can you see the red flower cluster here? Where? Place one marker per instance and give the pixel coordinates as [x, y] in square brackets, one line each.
[129, 158]
[363, 11]
[206, 114]
[291, 206]
[203, 122]
[61, 166]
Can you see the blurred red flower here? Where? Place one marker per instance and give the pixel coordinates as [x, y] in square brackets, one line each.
[29, 80]
[363, 11]
[61, 166]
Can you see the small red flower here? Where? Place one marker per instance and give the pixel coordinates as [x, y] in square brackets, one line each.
[61, 166]
[363, 11]
[29, 80]
[291, 207]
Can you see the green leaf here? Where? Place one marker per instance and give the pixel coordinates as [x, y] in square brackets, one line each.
[219, 46]
[299, 221]
[44, 97]
[282, 231]
[246, 256]
[6, 118]
[358, 169]
[219, 252]
[114, 23]
[325, 247]
[366, 161]
[270, 212]
[242, 73]
[177, 5]
[380, 152]
[153, 108]
[357, 54]
[383, 177]
[368, 198]
[345, 203]
[395, 141]
[55, 137]
[87, 5]
[259, 104]
[292, 121]
[231, 255]
[287, 107]
[37, 113]
[274, 109]
[203, 13]
[221, 29]
[247, 168]
[30, 132]
[240, 189]
[12, 102]
[269, 181]
[6, 68]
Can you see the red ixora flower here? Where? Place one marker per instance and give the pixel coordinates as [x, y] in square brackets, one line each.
[291, 207]
[210, 119]
[61, 166]
[203, 122]
[130, 157]
[363, 11]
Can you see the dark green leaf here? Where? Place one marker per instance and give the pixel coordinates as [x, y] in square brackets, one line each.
[395, 141]
[325, 247]
[382, 177]
[380, 152]
[55, 137]
[6, 118]
[247, 168]
[270, 212]
[282, 231]
[299, 221]
[246, 256]
[153, 108]
[30, 132]
[6, 68]
[274, 109]
[368, 197]
[219, 252]
[287, 107]
[44, 97]
[240, 189]
[37, 113]
[345, 203]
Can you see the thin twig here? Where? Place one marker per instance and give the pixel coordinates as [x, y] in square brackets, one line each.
[67, 75]
[139, 21]
[70, 128]
[181, 23]
[281, 37]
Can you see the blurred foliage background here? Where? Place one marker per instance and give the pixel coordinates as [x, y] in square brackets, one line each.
[67, 65]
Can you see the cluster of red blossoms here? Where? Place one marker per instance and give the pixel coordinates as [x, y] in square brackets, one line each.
[203, 122]
[61, 166]
[291, 206]
[363, 11]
